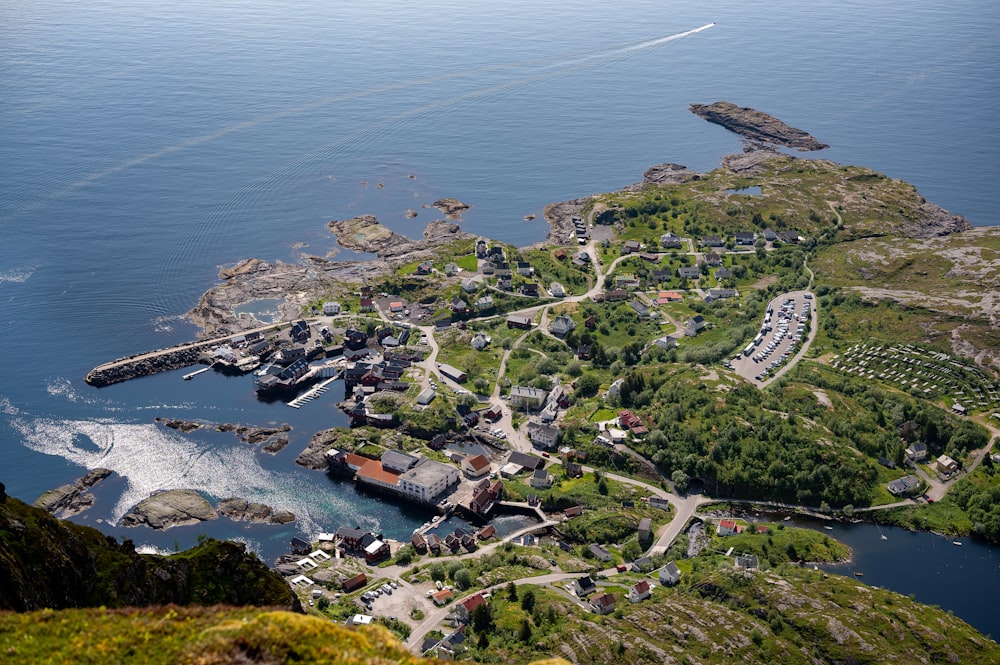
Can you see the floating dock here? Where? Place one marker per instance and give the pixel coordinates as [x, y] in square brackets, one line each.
[191, 375]
[313, 392]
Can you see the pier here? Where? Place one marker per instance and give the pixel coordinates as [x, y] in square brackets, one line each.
[191, 375]
[314, 392]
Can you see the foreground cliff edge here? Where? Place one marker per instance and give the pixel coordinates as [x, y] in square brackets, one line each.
[50, 563]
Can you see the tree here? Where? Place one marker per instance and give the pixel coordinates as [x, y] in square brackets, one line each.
[524, 631]
[512, 592]
[587, 385]
[481, 618]
[681, 480]
[454, 567]
[404, 557]
[528, 600]
[481, 385]
[463, 578]
[437, 572]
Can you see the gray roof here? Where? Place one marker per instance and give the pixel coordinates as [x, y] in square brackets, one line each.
[525, 460]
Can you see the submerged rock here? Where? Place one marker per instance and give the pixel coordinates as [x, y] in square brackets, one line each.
[452, 208]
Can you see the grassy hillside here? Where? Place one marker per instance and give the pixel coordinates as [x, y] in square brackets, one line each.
[722, 615]
[201, 635]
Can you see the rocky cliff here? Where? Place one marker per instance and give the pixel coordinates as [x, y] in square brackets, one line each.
[48, 563]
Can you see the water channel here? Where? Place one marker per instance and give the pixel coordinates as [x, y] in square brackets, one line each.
[962, 579]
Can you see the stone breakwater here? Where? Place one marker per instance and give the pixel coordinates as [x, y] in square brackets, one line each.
[145, 364]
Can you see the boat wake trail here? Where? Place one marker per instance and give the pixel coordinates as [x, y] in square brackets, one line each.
[231, 214]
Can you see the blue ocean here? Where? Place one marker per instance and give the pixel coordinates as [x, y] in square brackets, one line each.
[145, 145]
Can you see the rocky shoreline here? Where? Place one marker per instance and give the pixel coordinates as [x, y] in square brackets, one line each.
[756, 125]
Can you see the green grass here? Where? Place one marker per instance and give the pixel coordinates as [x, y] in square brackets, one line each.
[783, 544]
[171, 635]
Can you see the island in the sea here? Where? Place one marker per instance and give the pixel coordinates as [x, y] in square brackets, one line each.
[756, 125]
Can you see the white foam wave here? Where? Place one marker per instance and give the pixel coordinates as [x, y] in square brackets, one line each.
[7, 408]
[17, 275]
[63, 387]
[151, 458]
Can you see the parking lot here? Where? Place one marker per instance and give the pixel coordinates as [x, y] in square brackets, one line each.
[788, 321]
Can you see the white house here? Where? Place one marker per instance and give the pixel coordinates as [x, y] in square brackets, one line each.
[480, 341]
[543, 436]
[540, 479]
[332, 308]
[603, 603]
[476, 466]
[640, 591]
[670, 574]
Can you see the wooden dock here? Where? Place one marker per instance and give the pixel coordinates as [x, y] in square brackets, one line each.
[314, 392]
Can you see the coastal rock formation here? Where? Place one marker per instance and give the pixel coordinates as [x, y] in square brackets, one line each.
[69, 500]
[245, 267]
[935, 222]
[756, 125]
[560, 218]
[365, 234]
[451, 208]
[183, 426]
[272, 437]
[253, 435]
[170, 508]
[242, 510]
[314, 455]
[668, 174]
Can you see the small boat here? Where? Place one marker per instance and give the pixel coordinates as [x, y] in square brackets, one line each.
[788, 519]
[858, 573]
[956, 542]
[828, 528]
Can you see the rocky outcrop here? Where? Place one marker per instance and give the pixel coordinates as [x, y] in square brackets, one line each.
[48, 563]
[245, 267]
[451, 208]
[756, 125]
[273, 438]
[936, 222]
[183, 426]
[668, 174]
[560, 218]
[69, 500]
[242, 510]
[170, 508]
[365, 234]
[314, 455]
[253, 435]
